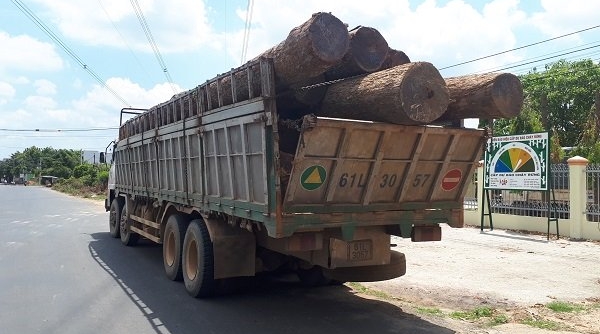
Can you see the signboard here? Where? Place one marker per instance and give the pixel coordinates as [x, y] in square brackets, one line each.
[517, 162]
[451, 179]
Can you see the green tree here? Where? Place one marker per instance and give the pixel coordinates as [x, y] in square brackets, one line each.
[562, 96]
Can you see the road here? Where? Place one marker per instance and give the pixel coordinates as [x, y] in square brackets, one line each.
[61, 272]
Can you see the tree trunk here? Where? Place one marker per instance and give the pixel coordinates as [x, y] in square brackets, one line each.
[309, 50]
[413, 93]
[394, 58]
[544, 111]
[490, 95]
[368, 49]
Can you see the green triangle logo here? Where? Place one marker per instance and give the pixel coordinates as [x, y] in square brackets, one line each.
[313, 177]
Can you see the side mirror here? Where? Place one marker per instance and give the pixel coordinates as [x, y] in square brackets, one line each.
[102, 158]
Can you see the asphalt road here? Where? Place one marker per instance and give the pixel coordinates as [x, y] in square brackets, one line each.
[61, 272]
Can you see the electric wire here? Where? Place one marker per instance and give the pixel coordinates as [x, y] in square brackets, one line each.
[40, 24]
[495, 68]
[59, 130]
[146, 28]
[137, 60]
[520, 47]
[245, 41]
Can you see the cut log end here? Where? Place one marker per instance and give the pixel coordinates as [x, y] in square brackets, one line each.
[507, 92]
[368, 48]
[327, 34]
[487, 95]
[394, 58]
[424, 93]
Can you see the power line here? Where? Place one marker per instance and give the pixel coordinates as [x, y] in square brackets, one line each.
[539, 58]
[153, 45]
[518, 48]
[58, 130]
[122, 37]
[249, 11]
[38, 22]
[547, 58]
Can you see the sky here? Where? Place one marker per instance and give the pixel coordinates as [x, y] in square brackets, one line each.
[52, 97]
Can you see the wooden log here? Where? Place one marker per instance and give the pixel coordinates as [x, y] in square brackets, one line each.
[309, 50]
[394, 58]
[413, 93]
[368, 49]
[489, 95]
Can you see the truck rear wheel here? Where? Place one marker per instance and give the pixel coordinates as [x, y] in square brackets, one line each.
[197, 260]
[128, 238]
[173, 245]
[114, 218]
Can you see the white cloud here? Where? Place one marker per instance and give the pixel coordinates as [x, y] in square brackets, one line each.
[45, 87]
[100, 108]
[24, 53]
[176, 26]
[7, 92]
[442, 34]
[558, 18]
[37, 104]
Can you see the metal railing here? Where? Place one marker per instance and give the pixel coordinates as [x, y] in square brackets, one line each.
[527, 202]
[592, 208]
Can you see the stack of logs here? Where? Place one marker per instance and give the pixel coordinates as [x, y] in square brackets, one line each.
[365, 79]
[322, 68]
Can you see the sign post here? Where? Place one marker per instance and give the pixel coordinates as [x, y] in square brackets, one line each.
[517, 162]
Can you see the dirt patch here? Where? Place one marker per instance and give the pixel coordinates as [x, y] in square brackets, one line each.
[515, 274]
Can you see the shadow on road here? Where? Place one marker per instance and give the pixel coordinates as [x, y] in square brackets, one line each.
[267, 306]
[515, 235]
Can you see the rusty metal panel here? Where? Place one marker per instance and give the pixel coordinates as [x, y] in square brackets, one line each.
[347, 165]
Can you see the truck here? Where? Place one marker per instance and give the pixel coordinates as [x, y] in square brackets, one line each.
[211, 177]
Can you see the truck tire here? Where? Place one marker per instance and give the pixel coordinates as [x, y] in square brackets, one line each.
[197, 260]
[173, 245]
[128, 238]
[114, 219]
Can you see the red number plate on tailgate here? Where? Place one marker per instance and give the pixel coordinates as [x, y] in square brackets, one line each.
[360, 250]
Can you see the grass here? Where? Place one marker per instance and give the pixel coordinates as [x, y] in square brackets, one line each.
[430, 311]
[499, 320]
[370, 292]
[565, 307]
[475, 314]
[542, 324]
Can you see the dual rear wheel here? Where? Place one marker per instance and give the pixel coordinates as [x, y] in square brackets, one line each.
[188, 255]
[187, 248]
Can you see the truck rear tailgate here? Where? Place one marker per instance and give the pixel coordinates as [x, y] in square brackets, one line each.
[357, 166]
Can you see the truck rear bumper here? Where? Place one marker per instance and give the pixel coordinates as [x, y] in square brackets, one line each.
[396, 268]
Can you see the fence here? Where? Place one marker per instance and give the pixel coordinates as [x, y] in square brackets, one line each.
[575, 201]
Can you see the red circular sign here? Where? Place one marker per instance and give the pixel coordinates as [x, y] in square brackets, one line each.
[451, 179]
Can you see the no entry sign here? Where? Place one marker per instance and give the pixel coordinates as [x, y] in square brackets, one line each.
[451, 179]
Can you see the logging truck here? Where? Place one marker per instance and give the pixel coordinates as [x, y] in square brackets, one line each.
[232, 188]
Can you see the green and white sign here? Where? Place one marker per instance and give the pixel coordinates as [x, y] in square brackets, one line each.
[313, 177]
[518, 162]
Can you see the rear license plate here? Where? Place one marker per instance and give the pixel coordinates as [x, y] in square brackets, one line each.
[360, 250]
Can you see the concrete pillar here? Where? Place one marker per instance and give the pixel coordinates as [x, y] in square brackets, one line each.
[577, 195]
